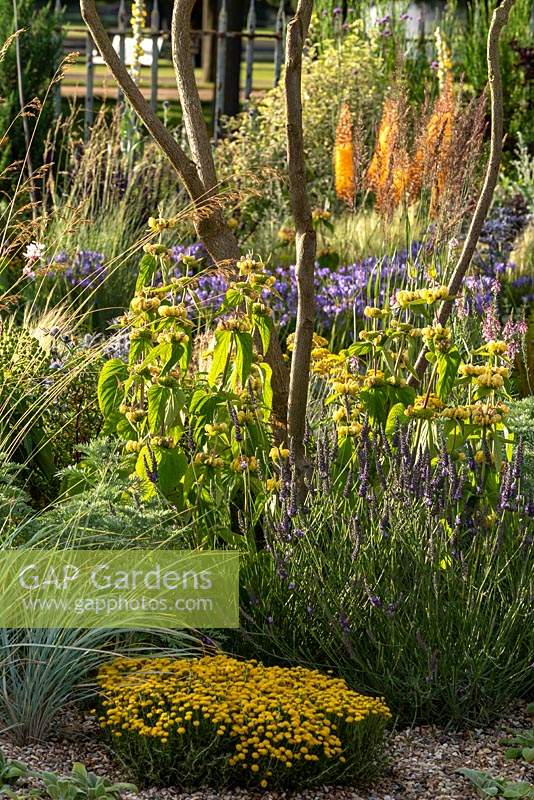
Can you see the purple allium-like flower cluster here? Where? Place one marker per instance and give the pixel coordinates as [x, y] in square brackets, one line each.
[499, 233]
[85, 269]
[195, 250]
[342, 292]
[492, 263]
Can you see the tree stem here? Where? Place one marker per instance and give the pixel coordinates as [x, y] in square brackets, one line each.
[498, 22]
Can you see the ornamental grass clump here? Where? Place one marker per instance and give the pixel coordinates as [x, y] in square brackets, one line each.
[220, 721]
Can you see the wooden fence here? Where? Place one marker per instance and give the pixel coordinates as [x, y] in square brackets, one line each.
[156, 35]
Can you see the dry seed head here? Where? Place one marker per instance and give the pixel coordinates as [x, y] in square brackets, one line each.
[9, 41]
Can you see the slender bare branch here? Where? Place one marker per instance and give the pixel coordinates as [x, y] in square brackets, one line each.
[200, 178]
[498, 22]
[211, 228]
[163, 138]
[305, 233]
[195, 125]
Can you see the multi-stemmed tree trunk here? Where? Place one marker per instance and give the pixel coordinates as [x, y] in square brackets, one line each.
[304, 235]
[197, 173]
[199, 177]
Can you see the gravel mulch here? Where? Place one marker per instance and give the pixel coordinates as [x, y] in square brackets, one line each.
[422, 763]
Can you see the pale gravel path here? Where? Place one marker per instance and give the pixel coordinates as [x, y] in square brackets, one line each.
[422, 764]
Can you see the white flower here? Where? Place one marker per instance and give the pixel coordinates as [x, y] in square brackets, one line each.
[35, 251]
[28, 272]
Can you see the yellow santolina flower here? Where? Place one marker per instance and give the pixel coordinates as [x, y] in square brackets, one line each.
[267, 718]
[344, 157]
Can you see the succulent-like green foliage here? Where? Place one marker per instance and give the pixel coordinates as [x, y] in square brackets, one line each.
[80, 784]
[10, 772]
[487, 786]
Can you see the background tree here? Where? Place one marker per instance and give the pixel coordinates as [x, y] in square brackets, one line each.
[40, 49]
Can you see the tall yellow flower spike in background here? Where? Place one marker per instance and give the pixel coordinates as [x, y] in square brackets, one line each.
[138, 23]
[444, 58]
[387, 174]
[344, 157]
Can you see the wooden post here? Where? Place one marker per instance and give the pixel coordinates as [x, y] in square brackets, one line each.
[89, 84]
[58, 10]
[249, 56]
[208, 44]
[155, 25]
[279, 43]
[122, 21]
[222, 30]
